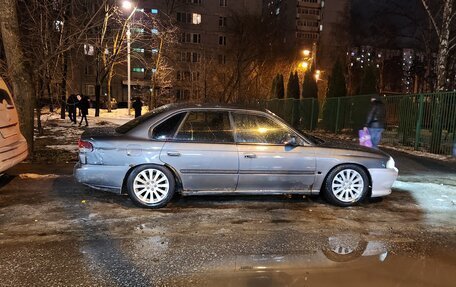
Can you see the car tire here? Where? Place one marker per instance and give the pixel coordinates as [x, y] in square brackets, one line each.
[346, 185]
[151, 186]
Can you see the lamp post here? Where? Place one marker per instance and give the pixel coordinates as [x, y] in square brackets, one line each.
[127, 5]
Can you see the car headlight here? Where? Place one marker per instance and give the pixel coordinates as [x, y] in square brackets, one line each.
[390, 163]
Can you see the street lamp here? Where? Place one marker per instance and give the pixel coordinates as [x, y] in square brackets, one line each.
[317, 75]
[304, 65]
[127, 6]
[306, 53]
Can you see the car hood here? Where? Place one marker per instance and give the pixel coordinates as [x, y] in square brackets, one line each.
[348, 146]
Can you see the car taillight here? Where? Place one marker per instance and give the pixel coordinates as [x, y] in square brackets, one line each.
[85, 146]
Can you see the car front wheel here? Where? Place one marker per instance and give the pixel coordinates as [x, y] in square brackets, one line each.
[151, 186]
[346, 185]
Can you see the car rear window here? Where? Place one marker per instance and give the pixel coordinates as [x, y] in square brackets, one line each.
[125, 128]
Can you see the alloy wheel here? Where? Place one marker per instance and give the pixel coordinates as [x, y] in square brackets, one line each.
[151, 186]
[347, 185]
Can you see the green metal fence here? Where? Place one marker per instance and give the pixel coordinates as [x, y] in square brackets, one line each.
[425, 122]
[302, 114]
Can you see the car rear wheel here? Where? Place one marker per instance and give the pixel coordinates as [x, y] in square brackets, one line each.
[151, 186]
[346, 185]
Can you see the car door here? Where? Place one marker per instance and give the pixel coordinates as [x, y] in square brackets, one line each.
[203, 152]
[266, 163]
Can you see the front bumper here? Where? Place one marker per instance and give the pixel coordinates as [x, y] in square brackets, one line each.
[382, 180]
[101, 176]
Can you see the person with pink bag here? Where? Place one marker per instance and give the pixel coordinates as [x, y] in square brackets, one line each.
[375, 123]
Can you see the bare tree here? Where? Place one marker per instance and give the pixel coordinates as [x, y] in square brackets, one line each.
[18, 67]
[441, 18]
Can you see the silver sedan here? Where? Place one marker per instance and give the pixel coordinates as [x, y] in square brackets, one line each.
[197, 149]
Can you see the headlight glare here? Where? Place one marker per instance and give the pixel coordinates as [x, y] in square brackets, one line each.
[390, 163]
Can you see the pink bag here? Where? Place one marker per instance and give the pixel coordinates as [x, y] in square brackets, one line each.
[365, 138]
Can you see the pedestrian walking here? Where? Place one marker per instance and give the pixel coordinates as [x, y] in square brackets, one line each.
[375, 122]
[137, 105]
[83, 104]
[71, 106]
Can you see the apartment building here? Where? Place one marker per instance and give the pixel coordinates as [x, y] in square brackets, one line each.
[201, 41]
[298, 23]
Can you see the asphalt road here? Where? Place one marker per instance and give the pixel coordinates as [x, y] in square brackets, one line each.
[55, 232]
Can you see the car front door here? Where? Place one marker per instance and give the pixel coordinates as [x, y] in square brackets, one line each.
[203, 152]
[266, 162]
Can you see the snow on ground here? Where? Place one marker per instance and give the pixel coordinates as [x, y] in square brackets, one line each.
[67, 147]
[37, 176]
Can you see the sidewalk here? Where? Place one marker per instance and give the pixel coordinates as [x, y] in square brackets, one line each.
[60, 136]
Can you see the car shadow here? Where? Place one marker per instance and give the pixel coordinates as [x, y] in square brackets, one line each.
[5, 179]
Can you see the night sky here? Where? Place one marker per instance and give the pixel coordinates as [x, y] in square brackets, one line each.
[388, 23]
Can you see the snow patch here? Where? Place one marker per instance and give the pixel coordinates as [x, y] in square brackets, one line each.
[37, 176]
[67, 147]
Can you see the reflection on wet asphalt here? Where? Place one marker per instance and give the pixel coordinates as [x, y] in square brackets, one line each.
[54, 232]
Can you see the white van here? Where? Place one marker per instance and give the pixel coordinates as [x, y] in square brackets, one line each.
[13, 146]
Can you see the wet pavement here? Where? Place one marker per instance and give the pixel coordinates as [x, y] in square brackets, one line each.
[55, 232]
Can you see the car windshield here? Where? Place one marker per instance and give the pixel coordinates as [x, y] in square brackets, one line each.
[125, 128]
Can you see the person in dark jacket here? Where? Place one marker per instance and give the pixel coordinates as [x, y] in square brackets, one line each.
[375, 122]
[83, 105]
[71, 105]
[137, 105]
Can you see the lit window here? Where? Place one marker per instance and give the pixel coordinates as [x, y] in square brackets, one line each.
[277, 11]
[58, 25]
[89, 49]
[154, 31]
[138, 30]
[138, 70]
[154, 11]
[140, 9]
[196, 18]
[154, 50]
[138, 50]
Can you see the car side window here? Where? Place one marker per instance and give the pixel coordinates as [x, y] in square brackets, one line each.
[166, 129]
[258, 129]
[206, 126]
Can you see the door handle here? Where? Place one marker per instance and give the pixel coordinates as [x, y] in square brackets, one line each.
[250, 155]
[173, 153]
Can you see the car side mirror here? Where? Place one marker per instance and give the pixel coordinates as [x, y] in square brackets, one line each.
[290, 140]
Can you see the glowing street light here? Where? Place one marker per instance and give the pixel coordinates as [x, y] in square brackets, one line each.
[317, 75]
[304, 65]
[127, 6]
[306, 53]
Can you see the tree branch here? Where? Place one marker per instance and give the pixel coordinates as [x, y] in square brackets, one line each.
[431, 18]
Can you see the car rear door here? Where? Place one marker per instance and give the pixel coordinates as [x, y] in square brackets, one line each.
[203, 152]
[266, 163]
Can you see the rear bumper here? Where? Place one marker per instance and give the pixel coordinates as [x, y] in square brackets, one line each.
[13, 154]
[382, 180]
[101, 176]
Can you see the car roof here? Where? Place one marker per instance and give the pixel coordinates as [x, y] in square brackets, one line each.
[187, 105]
[170, 108]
